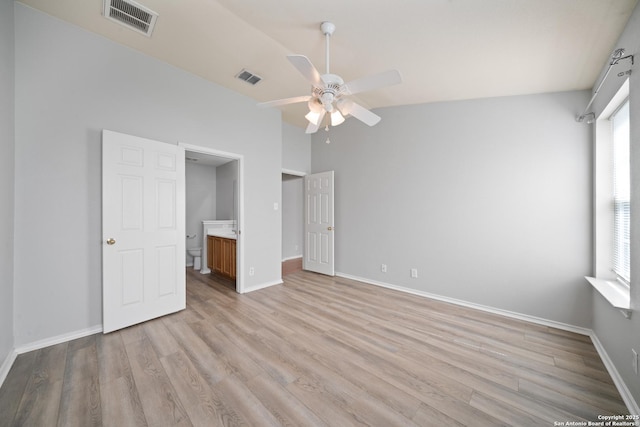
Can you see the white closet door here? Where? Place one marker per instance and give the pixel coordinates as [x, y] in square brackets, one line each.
[318, 226]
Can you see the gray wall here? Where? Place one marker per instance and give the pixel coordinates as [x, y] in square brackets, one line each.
[70, 84]
[296, 149]
[617, 334]
[200, 200]
[489, 199]
[6, 177]
[296, 156]
[292, 216]
[226, 180]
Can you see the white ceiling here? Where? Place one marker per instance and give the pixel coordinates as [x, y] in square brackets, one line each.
[444, 49]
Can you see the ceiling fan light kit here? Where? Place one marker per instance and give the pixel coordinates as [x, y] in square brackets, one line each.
[314, 117]
[329, 91]
[336, 118]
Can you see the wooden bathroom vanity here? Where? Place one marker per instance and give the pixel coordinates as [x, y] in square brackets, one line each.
[221, 256]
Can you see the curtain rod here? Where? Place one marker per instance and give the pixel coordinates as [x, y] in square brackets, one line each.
[615, 59]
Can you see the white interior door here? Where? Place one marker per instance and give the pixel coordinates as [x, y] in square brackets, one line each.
[143, 230]
[318, 224]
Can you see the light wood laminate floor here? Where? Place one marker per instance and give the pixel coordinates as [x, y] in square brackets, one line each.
[316, 351]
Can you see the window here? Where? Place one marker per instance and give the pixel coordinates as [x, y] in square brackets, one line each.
[611, 203]
[621, 193]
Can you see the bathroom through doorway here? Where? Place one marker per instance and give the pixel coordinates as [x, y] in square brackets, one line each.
[214, 211]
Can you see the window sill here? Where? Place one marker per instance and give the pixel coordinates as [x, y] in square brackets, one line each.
[617, 294]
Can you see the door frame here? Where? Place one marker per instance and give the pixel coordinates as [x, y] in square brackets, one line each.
[294, 173]
[240, 214]
[299, 175]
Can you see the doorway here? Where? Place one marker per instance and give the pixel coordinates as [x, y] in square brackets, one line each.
[292, 221]
[309, 197]
[215, 195]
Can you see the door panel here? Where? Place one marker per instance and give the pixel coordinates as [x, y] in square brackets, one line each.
[319, 229]
[130, 202]
[311, 256]
[166, 206]
[130, 266]
[143, 206]
[166, 270]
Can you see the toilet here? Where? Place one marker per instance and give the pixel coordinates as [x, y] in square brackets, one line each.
[196, 253]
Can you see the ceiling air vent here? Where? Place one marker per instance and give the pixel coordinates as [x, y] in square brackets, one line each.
[248, 77]
[131, 15]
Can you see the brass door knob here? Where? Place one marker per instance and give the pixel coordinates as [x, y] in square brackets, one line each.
[111, 241]
[330, 228]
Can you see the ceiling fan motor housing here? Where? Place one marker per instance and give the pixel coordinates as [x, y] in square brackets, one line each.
[332, 89]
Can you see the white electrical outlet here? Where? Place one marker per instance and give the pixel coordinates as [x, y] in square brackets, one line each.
[634, 361]
[414, 273]
[383, 268]
[252, 271]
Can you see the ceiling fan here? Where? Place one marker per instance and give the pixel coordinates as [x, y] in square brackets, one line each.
[329, 94]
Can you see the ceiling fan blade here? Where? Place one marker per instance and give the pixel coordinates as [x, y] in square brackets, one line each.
[306, 68]
[376, 81]
[285, 101]
[359, 112]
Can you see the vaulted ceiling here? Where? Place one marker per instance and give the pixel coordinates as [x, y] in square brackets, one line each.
[444, 49]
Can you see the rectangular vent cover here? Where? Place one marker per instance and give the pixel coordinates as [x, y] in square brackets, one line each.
[248, 77]
[131, 15]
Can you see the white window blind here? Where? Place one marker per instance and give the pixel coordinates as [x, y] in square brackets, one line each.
[621, 194]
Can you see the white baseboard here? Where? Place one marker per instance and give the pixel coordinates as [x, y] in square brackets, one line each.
[624, 391]
[263, 285]
[6, 365]
[507, 313]
[36, 345]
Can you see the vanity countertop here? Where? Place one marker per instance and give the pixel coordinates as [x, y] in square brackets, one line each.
[226, 234]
